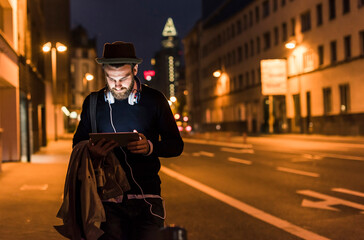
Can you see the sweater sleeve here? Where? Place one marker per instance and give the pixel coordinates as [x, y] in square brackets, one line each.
[170, 143]
[84, 126]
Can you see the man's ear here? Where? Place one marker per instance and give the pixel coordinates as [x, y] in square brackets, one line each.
[135, 69]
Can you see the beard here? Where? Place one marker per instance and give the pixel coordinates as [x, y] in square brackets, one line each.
[123, 93]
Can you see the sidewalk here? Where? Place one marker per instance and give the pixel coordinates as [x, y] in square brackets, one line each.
[31, 194]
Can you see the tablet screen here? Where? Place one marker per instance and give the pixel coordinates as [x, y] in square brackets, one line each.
[123, 138]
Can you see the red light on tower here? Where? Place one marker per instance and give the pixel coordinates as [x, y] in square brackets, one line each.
[149, 74]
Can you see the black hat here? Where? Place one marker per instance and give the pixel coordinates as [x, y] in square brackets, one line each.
[118, 52]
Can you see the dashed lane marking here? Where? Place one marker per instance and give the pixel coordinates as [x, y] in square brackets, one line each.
[41, 187]
[347, 191]
[203, 153]
[299, 172]
[250, 210]
[347, 157]
[238, 160]
[239, 150]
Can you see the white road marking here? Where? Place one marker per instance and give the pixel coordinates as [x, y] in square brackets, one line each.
[207, 154]
[347, 191]
[234, 150]
[299, 172]
[250, 210]
[196, 154]
[238, 160]
[27, 187]
[347, 157]
[327, 201]
[217, 143]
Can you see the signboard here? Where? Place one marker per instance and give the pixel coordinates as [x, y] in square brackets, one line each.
[274, 76]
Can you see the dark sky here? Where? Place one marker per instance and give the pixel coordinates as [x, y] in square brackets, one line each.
[137, 21]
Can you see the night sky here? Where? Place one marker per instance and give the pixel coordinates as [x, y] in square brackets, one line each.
[137, 21]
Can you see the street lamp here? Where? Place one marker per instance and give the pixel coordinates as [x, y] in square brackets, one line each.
[58, 47]
[87, 78]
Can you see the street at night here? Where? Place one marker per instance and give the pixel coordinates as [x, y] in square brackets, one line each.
[274, 188]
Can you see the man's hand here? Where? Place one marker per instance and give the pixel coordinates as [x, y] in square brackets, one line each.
[139, 147]
[100, 149]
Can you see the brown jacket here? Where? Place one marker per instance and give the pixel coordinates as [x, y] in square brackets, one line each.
[82, 209]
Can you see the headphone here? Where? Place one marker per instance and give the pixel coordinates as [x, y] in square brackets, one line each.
[133, 98]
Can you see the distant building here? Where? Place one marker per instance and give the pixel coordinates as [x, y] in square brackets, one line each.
[168, 62]
[323, 71]
[86, 74]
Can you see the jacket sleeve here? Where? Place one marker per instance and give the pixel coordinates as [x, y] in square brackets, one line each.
[84, 126]
[170, 143]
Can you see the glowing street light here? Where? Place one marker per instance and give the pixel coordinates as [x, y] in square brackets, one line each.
[290, 44]
[217, 73]
[173, 99]
[89, 77]
[59, 47]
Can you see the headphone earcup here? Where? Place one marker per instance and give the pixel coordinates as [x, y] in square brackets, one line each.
[110, 97]
[134, 97]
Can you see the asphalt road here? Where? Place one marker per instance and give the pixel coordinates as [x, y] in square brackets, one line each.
[270, 188]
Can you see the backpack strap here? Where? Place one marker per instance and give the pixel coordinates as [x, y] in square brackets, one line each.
[93, 103]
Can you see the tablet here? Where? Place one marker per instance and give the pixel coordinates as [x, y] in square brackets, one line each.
[123, 138]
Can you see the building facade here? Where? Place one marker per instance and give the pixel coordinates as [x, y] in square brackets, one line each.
[9, 82]
[86, 74]
[324, 79]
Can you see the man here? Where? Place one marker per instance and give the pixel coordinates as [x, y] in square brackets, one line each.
[125, 105]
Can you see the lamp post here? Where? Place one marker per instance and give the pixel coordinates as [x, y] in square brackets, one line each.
[53, 49]
[86, 78]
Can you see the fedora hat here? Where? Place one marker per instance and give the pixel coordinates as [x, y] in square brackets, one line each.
[118, 52]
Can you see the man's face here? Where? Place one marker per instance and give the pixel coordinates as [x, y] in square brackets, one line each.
[120, 81]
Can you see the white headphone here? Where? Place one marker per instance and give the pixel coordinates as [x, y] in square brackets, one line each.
[134, 96]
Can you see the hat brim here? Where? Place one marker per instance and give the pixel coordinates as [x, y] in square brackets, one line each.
[118, 60]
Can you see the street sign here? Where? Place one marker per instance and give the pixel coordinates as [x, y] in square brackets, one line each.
[274, 76]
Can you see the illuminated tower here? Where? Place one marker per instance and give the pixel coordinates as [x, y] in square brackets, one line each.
[168, 62]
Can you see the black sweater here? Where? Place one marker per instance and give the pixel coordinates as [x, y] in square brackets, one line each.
[152, 116]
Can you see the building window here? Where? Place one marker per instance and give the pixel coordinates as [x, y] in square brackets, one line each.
[344, 98]
[308, 61]
[305, 21]
[253, 76]
[319, 14]
[275, 5]
[246, 50]
[346, 6]
[233, 30]
[293, 25]
[245, 22]
[276, 36]
[265, 7]
[266, 37]
[284, 32]
[241, 83]
[251, 47]
[247, 79]
[84, 53]
[258, 44]
[238, 26]
[361, 39]
[259, 75]
[333, 52]
[283, 3]
[240, 54]
[327, 100]
[347, 46]
[321, 54]
[332, 9]
[250, 18]
[257, 14]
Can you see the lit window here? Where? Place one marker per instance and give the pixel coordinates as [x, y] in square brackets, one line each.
[344, 98]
